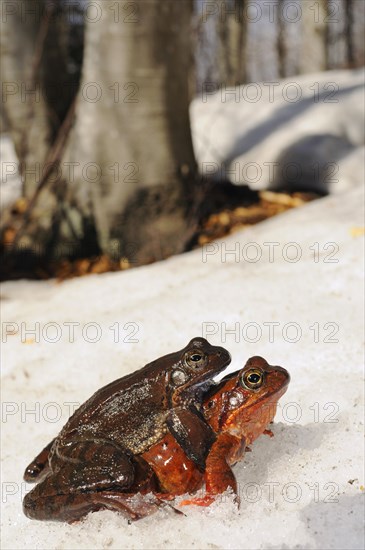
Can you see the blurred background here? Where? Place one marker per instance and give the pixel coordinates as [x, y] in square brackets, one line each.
[276, 39]
[103, 167]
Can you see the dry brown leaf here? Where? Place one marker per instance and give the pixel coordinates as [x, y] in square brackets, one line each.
[9, 235]
[124, 263]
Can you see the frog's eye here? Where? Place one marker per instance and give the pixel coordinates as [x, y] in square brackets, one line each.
[253, 379]
[196, 359]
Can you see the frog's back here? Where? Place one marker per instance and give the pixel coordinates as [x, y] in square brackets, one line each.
[129, 411]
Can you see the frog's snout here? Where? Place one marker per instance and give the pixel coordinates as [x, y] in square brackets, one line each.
[224, 356]
[30, 506]
[285, 374]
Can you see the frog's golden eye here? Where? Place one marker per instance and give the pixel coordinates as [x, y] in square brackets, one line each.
[253, 379]
[196, 359]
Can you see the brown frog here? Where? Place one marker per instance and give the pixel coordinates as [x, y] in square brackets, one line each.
[95, 462]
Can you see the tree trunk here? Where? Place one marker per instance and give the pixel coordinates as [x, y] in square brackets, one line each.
[232, 31]
[281, 44]
[314, 37]
[22, 39]
[127, 166]
[349, 30]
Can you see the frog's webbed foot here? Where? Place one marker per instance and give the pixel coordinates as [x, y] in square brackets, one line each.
[132, 506]
[39, 467]
[268, 432]
[163, 500]
[192, 433]
[206, 500]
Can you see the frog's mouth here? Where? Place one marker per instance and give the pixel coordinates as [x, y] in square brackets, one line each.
[270, 395]
[206, 385]
[207, 380]
[193, 389]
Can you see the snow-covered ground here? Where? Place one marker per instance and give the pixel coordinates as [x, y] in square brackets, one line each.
[304, 131]
[289, 289]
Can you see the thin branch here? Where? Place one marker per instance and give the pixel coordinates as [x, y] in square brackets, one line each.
[34, 68]
[54, 156]
[349, 32]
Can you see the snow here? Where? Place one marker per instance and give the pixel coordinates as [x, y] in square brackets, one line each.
[295, 488]
[265, 133]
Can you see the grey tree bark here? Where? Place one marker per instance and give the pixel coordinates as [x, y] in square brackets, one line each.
[349, 25]
[314, 50]
[232, 33]
[23, 102]
[281, 44]
[125, 166]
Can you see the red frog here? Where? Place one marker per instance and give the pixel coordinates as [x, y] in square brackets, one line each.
[239, 409]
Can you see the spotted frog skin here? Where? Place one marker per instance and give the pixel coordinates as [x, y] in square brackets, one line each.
[97, 460]
[238, 409]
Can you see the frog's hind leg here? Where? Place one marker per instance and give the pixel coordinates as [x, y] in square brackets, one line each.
[140, 500]
[93, 465]
[74, 506]
[93, 475]
[47, 502]
[39, 467]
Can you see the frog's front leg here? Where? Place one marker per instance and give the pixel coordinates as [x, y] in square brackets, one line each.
[106, 478]
[192, 433]
[39, 466]
[218, 474]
